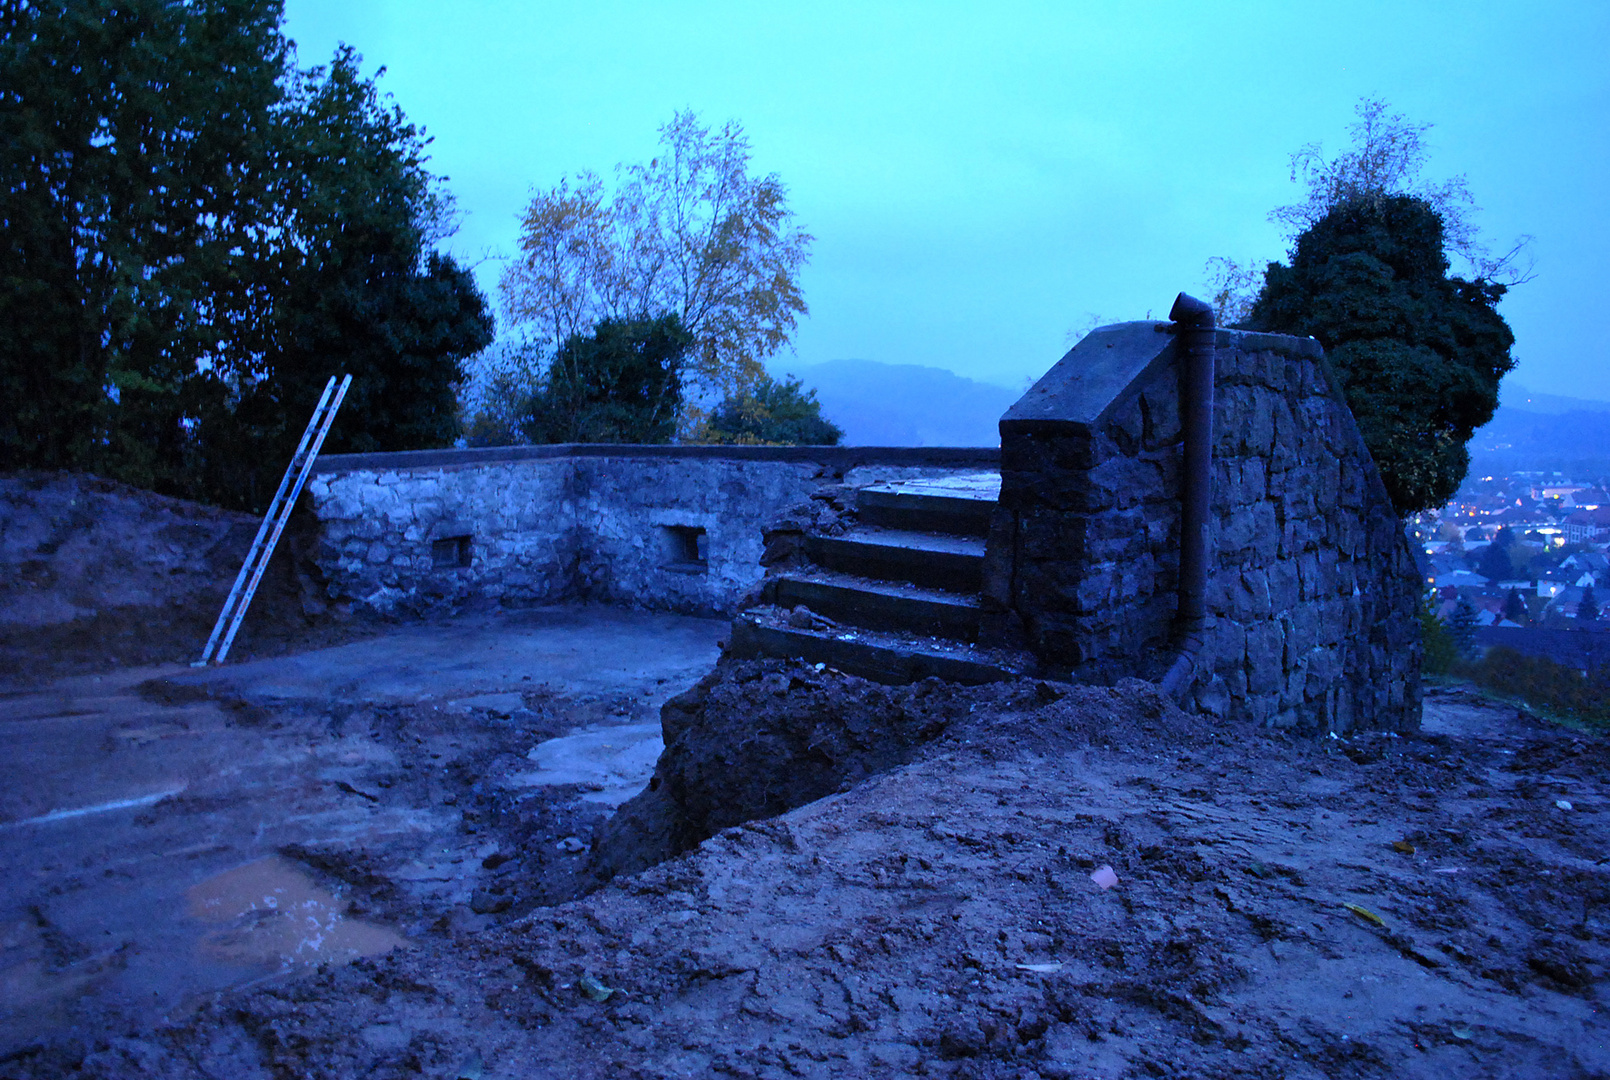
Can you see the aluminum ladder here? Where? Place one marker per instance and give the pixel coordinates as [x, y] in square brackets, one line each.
[268, 534]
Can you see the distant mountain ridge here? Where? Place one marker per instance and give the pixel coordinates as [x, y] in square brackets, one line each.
[1544, 432]
[880, 404]
[907, 404]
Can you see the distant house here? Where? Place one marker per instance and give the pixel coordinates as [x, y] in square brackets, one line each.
[1561, 491]
[1586, 526]
[1460, 579]
[1593, 562]
[1561, 611]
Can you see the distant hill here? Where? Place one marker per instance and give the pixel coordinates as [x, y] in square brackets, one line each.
[907, 404]
[1550, 432]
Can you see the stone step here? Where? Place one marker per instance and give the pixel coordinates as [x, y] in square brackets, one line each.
[957, 505]
[878, 605]
[885, 658]
[954, 563]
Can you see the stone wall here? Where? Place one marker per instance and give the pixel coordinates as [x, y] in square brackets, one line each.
[671, 528]
[1312, 592]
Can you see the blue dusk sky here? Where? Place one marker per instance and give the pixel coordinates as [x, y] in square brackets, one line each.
[981, 179]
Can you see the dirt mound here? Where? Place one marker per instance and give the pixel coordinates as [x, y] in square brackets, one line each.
[756, 738]
[95, 573]
[1085, 884]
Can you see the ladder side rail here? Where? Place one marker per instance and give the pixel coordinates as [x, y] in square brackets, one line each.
[262, 530]
[284, 517]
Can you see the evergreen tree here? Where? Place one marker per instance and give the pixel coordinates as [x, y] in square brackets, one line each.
[772, 413]
[620, 384]
[1587, 610]
[136, 149]
[1494, 562]
[1515, 607]
[1419, 354]
[1462, 629]
[196, 236]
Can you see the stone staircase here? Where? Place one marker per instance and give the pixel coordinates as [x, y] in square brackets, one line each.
[895, 598]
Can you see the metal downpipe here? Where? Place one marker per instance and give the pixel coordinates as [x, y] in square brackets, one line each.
[1194, 329]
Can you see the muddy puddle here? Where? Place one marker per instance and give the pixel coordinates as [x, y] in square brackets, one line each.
[268, 914]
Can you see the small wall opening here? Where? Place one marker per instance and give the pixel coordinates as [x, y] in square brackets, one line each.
[685, 548]
[450, 553]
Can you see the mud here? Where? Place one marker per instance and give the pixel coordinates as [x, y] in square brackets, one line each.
[96, 575]
[1023, 880]
[942, 919]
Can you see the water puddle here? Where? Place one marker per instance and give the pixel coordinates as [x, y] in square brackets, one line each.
[269, 913]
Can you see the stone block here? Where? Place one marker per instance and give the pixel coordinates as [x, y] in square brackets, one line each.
[1264, 653]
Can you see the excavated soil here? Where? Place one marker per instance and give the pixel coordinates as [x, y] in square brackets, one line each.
[95, 574]
[1403, 907]
[1026, 880]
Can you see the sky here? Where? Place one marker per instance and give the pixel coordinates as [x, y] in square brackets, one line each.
[984, 179]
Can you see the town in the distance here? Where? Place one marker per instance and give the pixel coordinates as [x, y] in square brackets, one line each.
[1529, 550]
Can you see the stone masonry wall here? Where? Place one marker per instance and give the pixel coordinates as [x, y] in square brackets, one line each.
[1312, 592]
[670, 528]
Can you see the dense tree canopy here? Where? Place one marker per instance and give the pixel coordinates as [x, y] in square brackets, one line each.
[772, 413]
[194, 235]
[1419, 353]
[620, 384]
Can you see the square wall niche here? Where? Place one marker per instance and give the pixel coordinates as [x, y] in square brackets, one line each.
[684, 548]
[450, 553]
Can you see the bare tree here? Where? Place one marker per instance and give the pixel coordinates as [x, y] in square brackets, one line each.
[1232, 288]
[1387, 156]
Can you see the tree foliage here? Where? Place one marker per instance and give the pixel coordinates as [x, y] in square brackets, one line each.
[772, 413]
[1587, 610]
[1440, 652]
[195, 235]
[691, 234]
[1462, 629]
[620, 384]
[1420, 354]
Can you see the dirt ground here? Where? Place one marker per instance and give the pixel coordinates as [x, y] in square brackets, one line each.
[1064, 882]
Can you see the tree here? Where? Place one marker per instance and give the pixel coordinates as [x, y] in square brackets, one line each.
[358, 288]
[1462, 629]
[1587, 610]
[1387, 155]
[1440, 652]
[197, 235]
[691, 233]
[772, 413]
[1419, 354]
[1515, 607]
[1494, 562]
[134, 189]
[620, 384]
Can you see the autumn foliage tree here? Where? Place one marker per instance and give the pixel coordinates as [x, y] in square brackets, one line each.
[693, 234]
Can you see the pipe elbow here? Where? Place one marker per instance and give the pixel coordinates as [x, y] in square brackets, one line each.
[1191, 313]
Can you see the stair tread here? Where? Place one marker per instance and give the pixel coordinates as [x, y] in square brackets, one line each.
[882, 587]
[984, 487]
[884, 652]
[878, 536]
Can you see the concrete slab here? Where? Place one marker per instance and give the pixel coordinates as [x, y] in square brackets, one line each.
[155, 841]
[610, 764]
[574, 651]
